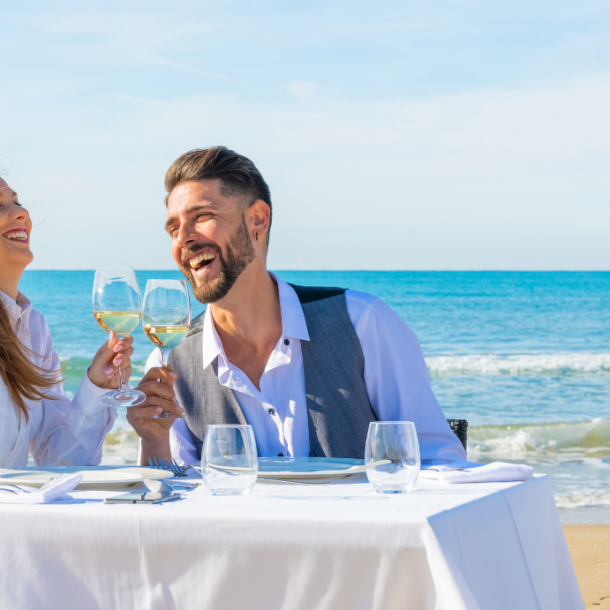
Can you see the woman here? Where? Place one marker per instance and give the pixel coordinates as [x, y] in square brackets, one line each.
[35, 413]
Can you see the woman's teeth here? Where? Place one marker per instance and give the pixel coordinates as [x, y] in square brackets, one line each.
[196, 261]
[17, 235]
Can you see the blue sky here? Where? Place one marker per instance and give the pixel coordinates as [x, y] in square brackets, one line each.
[394, 135]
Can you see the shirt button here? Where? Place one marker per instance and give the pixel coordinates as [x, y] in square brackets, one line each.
[280, 455]
[271, 411]
[286, 342]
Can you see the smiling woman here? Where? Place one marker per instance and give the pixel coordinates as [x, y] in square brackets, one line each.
[35, 413]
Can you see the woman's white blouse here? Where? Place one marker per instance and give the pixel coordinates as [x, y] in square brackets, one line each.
[58, 432]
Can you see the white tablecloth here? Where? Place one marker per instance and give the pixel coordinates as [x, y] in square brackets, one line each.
[342, 547]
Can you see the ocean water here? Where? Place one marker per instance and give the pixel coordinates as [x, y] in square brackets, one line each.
[524, 357]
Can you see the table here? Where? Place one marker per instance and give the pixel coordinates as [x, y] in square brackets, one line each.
[341, 547]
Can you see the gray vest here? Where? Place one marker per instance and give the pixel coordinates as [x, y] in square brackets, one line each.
[338, 406]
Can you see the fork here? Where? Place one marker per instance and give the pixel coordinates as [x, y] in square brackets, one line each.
[165, 464]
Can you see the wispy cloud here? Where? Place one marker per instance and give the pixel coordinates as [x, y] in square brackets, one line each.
[168, 63]
[308, 90]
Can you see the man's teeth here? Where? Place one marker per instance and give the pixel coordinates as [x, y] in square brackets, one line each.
[197, 260]
[20, 235]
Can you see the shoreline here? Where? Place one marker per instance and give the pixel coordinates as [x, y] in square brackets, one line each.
[589, 547]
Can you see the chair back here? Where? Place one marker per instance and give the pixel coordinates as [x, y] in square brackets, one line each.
[460, 429]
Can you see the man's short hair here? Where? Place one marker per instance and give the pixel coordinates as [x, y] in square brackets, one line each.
[238, 176]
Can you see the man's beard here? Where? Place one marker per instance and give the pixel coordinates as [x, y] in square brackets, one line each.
[239, 254]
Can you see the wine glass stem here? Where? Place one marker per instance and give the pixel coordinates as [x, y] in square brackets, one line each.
[121, 386]
[163, 357]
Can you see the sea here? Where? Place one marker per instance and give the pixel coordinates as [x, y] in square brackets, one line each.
[523, 356]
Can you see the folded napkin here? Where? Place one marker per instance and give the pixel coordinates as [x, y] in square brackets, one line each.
[44, 495]
[471, 472]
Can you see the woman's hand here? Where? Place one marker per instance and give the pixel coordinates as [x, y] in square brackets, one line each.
[113, 355]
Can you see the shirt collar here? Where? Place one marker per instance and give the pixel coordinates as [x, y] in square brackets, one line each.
[293, 322]
[17, 308]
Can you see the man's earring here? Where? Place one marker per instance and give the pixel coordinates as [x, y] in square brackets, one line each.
[257, 237]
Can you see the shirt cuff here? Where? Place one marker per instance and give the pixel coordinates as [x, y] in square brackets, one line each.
[88, 397]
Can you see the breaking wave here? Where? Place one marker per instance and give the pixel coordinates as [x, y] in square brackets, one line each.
[558, 363]
[584, 438]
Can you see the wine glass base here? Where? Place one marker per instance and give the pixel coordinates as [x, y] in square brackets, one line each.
[123, 398]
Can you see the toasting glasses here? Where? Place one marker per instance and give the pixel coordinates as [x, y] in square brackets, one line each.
[166, 316]
[117, 306]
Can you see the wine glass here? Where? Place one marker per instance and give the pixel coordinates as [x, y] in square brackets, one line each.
[117, 306]
[392, 456]
[166, 315]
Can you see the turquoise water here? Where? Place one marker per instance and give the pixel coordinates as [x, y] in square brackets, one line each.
[525, 357]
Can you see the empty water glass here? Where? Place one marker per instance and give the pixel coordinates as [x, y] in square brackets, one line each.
[392, 456]
[229, 460]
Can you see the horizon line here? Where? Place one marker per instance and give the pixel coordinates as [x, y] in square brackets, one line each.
[379, 270]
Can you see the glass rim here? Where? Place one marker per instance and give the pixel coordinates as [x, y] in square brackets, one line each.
[162, 279]
[381, 423]
[115, 265]
[228, 426]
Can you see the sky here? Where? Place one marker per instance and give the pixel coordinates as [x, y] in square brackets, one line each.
[428, 134]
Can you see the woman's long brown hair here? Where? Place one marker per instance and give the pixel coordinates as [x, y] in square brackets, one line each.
[23, 379]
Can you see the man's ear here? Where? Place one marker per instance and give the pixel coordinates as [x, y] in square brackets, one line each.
[259, 215]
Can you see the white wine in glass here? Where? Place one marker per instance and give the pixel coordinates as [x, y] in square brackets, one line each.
[166, 315]
[117, 307]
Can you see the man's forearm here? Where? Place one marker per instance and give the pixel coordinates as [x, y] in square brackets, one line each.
[154, 449]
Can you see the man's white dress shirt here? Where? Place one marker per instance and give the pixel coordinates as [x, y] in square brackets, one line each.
[395, 375]
[58, 432]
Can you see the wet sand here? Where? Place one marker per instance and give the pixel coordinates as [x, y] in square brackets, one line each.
[590, 550]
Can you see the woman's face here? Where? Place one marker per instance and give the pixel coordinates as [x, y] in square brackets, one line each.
[15, 229]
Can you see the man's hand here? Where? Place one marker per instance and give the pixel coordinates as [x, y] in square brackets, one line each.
[114, 354]
[158, 385]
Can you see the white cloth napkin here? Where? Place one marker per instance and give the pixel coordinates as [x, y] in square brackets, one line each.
[33, 495]
[471, 472]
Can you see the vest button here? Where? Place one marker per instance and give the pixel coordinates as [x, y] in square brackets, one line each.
[271, 411]
[280, 455]
[286, 342]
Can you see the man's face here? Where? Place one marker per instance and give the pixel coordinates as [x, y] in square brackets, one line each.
[15, 229]
[210, 239]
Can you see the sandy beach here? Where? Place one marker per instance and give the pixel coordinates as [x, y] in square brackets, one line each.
[590, 550]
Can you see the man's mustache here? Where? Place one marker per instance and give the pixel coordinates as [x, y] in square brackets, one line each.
[186, 254]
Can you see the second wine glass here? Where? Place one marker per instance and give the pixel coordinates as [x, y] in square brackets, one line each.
[166, 315]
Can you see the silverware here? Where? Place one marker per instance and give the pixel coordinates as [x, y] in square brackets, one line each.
[6, 488]
[53, 481]
[166, 464]
[294, 482]
[186, 484]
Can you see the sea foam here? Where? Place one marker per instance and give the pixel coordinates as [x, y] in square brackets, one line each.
[489, 364]
[582, 438]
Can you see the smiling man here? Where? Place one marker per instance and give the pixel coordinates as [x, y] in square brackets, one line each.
[308, 367]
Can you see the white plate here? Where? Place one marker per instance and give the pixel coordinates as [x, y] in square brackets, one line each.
[307, 468]
[94, 477]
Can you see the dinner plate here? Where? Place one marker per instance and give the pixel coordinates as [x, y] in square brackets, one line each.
[308, 468]
[94, 477]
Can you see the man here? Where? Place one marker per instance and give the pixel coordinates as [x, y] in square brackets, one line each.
[307, 368]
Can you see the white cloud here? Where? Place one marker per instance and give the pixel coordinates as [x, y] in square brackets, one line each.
[353, 171]
[306, 90]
